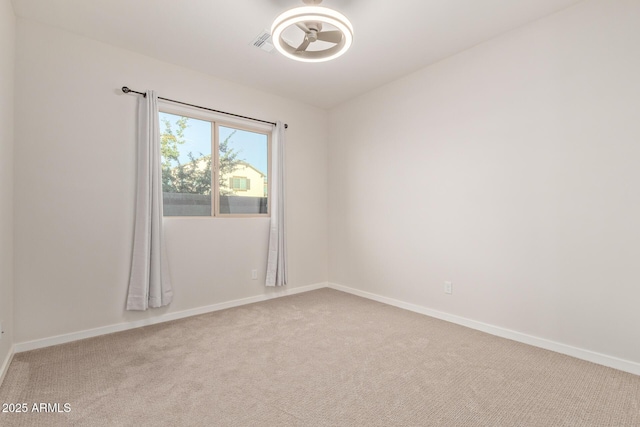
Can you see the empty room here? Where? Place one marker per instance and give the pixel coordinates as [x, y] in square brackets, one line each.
[320, 213]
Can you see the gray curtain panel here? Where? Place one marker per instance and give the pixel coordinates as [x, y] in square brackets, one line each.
[149, 284]
[277, 259]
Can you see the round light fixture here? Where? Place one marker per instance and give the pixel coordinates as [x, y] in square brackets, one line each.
[310, 20]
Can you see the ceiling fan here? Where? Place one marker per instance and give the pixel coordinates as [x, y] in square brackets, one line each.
[311, 19]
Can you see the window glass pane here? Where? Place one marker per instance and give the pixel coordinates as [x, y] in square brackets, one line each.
[186, 165]
[243, 171]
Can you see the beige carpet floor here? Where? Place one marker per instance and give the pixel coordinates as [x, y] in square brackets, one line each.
[322, 358]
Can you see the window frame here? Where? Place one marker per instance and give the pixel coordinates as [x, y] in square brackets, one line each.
[216, 120]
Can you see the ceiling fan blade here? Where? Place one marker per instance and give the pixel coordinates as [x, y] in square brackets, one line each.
[303, 46]
[303, 27]
[330, 36]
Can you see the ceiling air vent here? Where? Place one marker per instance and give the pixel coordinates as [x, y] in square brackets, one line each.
[263, 41]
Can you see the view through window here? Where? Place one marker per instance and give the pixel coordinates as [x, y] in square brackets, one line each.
[212, 169]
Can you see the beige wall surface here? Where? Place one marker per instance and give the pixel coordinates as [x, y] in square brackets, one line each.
[7, 54]
[523, 157]
[74, 188]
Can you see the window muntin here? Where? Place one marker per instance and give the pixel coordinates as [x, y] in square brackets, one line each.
[232, 182]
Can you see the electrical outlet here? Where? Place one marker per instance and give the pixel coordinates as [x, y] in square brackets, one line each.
[448, 288]
[254, 274]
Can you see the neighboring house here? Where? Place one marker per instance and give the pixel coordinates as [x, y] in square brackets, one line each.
[246, 180]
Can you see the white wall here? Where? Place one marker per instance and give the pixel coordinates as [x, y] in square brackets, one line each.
[526, 152]
[7, 53]
[74, 188]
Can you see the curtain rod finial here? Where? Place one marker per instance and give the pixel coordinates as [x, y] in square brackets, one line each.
[126, 89]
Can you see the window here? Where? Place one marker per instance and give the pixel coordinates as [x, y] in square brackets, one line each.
[212, 168]
[240, 183]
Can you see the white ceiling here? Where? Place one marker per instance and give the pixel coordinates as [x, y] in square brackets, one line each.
[392, 38]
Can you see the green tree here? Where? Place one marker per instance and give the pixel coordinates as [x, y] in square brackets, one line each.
[170, 143]
[194, 176]
[228, 162]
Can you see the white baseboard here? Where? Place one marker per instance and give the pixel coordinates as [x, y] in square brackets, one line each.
[579, 353]
[590, 356]
[103, 330]
[5, 364]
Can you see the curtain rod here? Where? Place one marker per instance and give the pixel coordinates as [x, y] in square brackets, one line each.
[127, 90]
